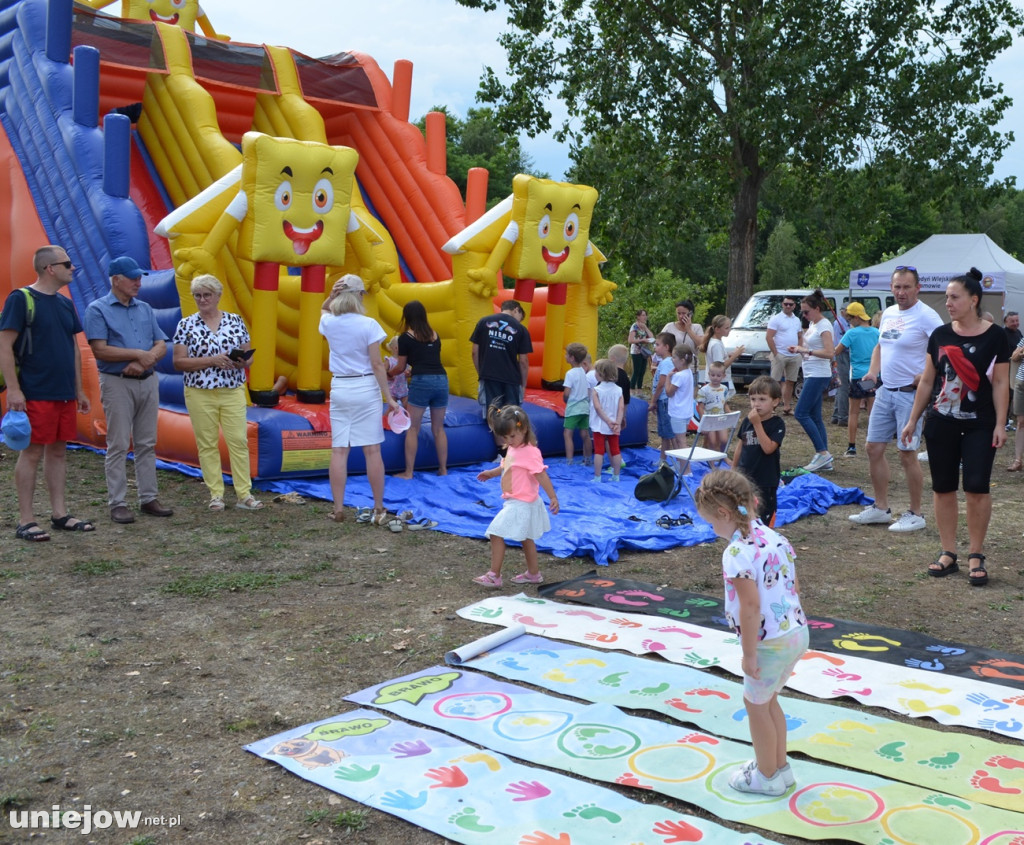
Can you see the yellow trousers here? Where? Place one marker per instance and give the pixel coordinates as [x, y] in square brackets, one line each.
[216, 410]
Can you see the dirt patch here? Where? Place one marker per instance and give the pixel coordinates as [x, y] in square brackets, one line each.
[136, 661]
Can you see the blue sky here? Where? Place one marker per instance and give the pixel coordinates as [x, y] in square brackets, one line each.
[449, 47]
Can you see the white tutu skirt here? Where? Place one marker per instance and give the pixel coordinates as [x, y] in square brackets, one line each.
[519, 520]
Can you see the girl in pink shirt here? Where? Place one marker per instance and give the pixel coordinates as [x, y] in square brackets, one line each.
[522, 517]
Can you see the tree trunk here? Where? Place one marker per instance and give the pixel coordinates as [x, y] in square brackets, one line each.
[743, 231]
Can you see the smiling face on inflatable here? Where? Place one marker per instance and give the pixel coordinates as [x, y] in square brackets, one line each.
[181, 13]
[298, 200]
[554, 229]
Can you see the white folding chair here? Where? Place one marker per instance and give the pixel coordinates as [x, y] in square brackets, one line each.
[701, 454]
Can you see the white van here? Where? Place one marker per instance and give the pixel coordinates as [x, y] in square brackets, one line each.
[748, 329]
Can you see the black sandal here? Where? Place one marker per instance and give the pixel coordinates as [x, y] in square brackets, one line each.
[944, 569]
[977, 580]
[78, 525]
[32, 532]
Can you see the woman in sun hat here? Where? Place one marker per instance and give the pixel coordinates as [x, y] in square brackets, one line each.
[359, 380]
[861, 339]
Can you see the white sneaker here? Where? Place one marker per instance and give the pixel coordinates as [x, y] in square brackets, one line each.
[910, 521]
[788, 778]
[819, 462]
[748, 778]
[872, 516]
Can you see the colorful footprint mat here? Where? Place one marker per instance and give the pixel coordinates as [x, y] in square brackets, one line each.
[605, 744]
[872, 642]
[980, 770]
[467, 794]
[910, 691]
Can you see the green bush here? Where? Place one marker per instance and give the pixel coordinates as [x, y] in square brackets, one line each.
[658, 293]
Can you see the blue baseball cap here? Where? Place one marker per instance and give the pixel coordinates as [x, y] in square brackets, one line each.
[125, 265]
[17, 430]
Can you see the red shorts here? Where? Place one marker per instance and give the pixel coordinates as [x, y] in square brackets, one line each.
[611, 439]
[52, 420]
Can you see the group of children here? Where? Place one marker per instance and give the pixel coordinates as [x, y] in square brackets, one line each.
[596, 396]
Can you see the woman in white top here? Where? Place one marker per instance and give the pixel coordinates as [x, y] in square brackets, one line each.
[359, 380]
[817, 350]
[714, 348]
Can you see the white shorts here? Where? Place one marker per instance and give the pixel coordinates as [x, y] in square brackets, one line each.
[775, 660]
[357, 412]
[889, 415]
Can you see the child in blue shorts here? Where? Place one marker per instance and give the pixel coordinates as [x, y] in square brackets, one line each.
[664, 343]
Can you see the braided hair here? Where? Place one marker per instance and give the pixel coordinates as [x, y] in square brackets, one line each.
[731, 491]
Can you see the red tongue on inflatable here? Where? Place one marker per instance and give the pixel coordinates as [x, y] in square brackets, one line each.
[301, 241]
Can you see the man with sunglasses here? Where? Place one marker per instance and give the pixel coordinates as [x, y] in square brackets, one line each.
[127, 342]
[898, 361]
[785, 330]
[42, 368]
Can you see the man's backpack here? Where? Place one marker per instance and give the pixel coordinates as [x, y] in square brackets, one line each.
[25, 338]
[658, 486]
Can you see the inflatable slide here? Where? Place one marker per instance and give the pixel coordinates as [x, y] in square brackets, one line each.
[175, 106]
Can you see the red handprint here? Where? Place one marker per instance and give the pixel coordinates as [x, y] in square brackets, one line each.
[447, 776]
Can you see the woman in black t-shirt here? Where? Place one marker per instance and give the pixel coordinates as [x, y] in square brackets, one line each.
[964, 425]
[419, 347]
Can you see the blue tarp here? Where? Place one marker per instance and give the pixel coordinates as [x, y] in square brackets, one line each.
[596, 520]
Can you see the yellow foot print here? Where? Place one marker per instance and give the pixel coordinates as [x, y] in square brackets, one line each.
[467, 819]
[821, 811]
[486, 759]
[923, 687]
[850, 725]
[944, 761]
[592, 811]
[827, 739]
[558, 676]
[852, 642]
[915, 705]
[587, 661]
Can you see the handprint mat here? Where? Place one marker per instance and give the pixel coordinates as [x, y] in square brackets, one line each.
[470, 795]
[602, 743]
[981, 770]
[912, 692]
[871, 642]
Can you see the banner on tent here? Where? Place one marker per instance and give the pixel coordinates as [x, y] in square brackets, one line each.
[931, 282]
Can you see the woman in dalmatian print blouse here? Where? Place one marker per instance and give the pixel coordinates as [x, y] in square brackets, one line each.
[215, 389]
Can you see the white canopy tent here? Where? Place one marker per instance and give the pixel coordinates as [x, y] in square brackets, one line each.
[942, 257]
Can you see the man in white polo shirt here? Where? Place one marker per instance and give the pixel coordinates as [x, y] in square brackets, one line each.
[899, 360]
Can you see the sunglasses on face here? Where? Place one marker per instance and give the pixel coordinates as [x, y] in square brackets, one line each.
[65, 264]
[789, 305]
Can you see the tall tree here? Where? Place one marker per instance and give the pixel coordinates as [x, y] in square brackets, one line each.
[735, 88]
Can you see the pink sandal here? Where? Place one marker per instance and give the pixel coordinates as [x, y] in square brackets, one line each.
[488, 579]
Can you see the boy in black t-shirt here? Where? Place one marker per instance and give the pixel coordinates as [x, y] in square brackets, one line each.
[758, 442]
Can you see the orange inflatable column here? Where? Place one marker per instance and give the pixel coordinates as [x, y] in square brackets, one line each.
[264, 333]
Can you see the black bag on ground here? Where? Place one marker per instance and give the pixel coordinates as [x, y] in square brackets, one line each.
[658, 486]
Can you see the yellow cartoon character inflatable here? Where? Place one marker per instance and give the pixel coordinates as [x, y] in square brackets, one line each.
[183, 13]
[539, 235]
[292, 208]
